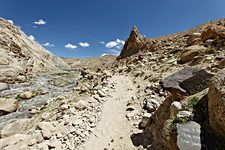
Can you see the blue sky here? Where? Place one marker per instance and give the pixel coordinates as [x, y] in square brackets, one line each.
[86, 28]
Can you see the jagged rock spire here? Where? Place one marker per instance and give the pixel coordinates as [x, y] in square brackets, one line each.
[133, 44]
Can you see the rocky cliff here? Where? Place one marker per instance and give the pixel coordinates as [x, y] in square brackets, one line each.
[21, 57]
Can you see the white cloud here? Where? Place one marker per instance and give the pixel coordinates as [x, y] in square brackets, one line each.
[84, 44]
[10, 21]
[40, 22]
[48, 44]
[70, 46]
[118, 44]
[103, 43]
[114, 52]
[104, 54]
[31, 37]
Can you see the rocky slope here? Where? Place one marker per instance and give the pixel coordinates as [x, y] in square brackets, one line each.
[160, 93]
[189, 115]
[21, 57]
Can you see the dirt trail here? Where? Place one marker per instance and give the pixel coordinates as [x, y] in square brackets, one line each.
[114, 130]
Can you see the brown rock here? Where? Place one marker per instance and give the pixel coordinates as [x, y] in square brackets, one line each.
[221, 64]
[213, 31]
[190, 52]
[216, 103]
[159, 128]
[8, 105]
[133, 44]
[194, 39]
[187, 81]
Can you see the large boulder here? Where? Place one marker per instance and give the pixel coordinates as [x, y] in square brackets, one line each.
[190, 52]
[187, 81]
[133, 44]
[212, 32]
[8, 105]
[216, 103]
[194, 39]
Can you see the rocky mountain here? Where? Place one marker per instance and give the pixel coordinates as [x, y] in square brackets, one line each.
[164, 93]
[21, 57]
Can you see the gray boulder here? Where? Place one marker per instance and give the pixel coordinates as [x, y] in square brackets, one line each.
[187, 81]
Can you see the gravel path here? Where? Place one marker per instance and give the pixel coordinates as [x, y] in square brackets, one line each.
[114, 130]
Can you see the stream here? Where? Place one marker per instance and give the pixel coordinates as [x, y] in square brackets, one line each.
[52, 85]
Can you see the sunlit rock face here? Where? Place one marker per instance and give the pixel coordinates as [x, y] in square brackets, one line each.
[22, 56]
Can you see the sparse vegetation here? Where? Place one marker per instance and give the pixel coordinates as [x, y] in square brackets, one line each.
[37, 92]
[210, 50]
[193, 101]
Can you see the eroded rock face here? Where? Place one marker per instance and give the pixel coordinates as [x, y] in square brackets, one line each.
[133, 44]
[21, 57]
[187, 81]
[216, 103]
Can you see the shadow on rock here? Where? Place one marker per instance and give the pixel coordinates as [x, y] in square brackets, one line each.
[209, 140]
[141, 139]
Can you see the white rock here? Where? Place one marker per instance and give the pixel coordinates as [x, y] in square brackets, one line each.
[81, 105]
[64, 107]
[37, 135]
[184, 114]
[3, 86]
[147, 115]
[8, 105]
[26, 95]
[45, 115]
[151, 105]
[175, 107]
[46, 128]
[101, 93]
[72, 111]
[47, 134]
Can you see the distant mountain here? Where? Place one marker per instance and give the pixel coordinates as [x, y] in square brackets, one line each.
[91, 62]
